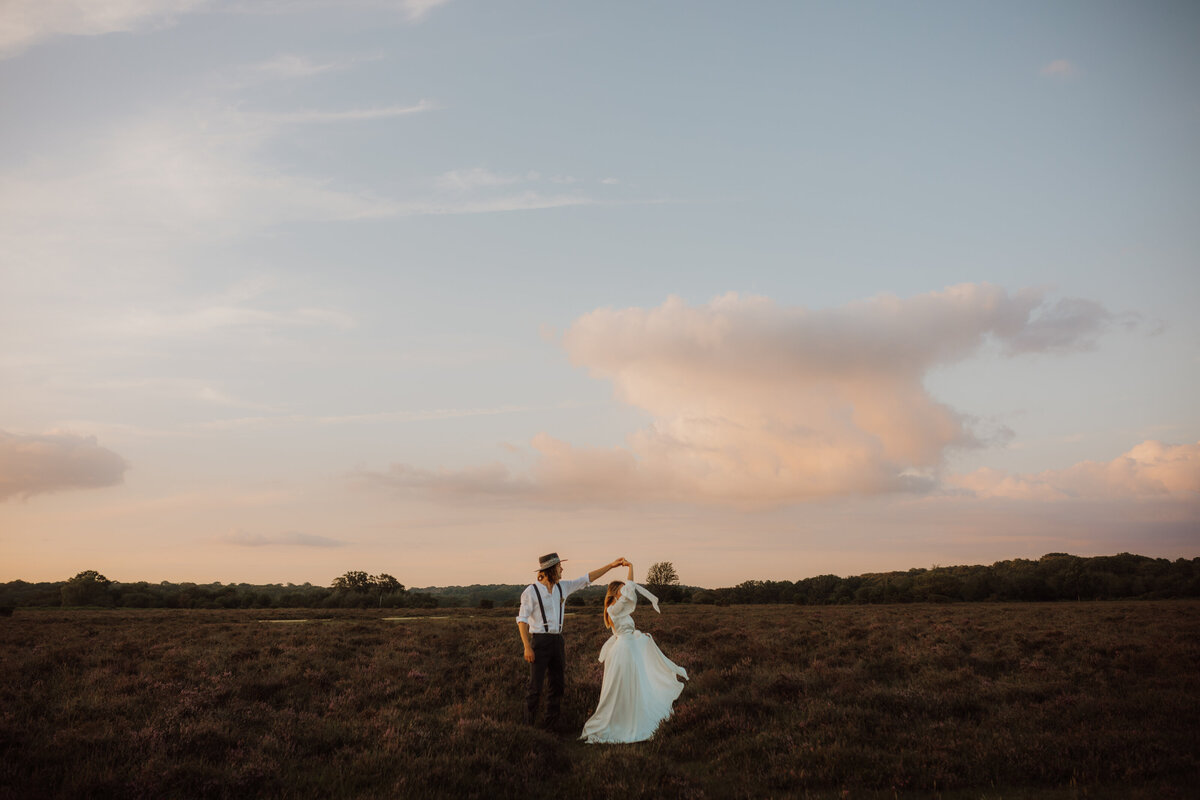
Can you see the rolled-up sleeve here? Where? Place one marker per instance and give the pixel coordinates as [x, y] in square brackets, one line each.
[575, 584]
[525, 612]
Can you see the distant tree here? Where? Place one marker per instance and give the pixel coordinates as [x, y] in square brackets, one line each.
[353, 582]
[389, 588]
[663, 580]
[662, 574]
[817, 590]
[386, 583]
[88, 588]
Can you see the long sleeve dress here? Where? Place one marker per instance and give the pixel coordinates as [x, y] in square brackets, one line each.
[640, 683]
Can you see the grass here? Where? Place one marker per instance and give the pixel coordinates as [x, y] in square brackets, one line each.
[982, 700]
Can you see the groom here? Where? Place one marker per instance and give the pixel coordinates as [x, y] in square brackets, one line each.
[540, 621]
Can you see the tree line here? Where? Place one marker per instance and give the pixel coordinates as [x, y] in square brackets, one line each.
[90, 588]
[1055, 576]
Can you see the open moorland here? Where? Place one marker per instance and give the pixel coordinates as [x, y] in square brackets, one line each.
[951, 700]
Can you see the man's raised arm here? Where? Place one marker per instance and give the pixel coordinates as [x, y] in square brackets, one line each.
[596, 574]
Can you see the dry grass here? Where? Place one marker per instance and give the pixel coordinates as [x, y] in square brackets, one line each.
[1029, 700]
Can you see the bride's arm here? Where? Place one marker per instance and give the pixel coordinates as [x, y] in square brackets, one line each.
[630, 565]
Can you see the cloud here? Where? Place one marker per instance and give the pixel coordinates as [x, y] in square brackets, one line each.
[353, 115]
[1070, 324]
[283, 67]
[55, 462]
[519, 201]
[461, 180]
[413, 11]
[417, 10]
[218, 317]
[480, 190]
[167, 180]
[277, 420]
[1060, 68]
[286, 539]
[183, 177]
[25, 23]
[290, 66]
[760, 404]
[293, 66]
[1151, 470]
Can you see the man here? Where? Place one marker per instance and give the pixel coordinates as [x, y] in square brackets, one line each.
[540, 621]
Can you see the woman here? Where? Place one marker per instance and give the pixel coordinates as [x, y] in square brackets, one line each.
[640, 683]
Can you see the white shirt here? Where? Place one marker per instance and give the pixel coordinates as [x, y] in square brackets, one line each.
[531, 612]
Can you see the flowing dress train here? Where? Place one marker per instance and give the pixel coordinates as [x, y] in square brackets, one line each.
[640, 683]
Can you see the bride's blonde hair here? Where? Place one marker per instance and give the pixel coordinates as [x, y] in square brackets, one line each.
[610, 597]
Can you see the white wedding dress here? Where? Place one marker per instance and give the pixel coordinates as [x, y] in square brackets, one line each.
[640, 683]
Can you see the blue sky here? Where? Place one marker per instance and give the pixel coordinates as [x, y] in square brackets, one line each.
[295, 288]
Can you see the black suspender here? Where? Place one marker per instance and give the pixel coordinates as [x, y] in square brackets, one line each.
[538, 594]
[545, 619]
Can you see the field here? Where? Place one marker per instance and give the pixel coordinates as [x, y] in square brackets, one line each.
[954, 700]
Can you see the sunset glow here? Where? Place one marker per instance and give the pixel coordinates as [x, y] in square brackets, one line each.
[432, 287]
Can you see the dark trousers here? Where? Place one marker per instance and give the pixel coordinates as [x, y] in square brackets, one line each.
[549, 658]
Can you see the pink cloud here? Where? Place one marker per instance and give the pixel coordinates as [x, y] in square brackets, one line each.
[760, 404]
[28, 22]
[1151, 470]
[54, 462]
[1060, 68]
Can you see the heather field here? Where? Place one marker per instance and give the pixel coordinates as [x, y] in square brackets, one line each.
[953, 700]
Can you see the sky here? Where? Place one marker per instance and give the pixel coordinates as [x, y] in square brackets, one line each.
[435, 287]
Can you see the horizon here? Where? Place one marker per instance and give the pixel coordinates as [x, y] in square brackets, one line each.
[433, 287]
[682, 583]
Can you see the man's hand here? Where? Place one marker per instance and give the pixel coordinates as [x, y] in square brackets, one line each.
[523, 627]
[596, 574]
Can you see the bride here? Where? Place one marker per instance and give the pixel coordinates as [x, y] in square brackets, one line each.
[640, 683]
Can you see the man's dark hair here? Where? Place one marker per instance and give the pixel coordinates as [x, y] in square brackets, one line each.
[552, 574]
